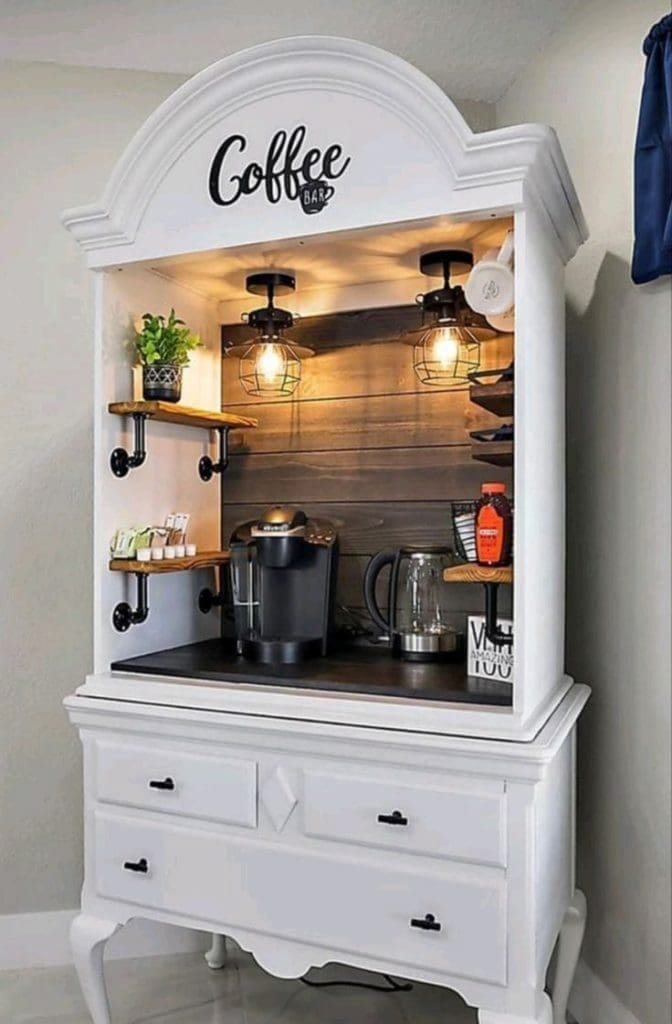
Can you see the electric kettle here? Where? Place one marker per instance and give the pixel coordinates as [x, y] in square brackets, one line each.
[416, 625]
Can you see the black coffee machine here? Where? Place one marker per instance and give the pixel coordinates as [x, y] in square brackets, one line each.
[283, 582]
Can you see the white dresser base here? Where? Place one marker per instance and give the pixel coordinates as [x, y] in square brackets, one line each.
[437, 858]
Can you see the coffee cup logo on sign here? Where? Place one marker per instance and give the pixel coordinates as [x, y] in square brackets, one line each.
[490, 287]
[314, 196]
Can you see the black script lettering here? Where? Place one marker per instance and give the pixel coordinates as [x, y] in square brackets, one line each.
[284, 170]
[333, 154]
[311, 158]
[273, 187]
[292, 182]
[216, 170]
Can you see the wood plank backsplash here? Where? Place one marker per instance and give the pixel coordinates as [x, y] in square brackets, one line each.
[362, 443]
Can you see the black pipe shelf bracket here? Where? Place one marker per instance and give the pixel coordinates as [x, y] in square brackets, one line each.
[123, 616]
[494, 634]
[206, 467]
[167, 412]
[208, 598]
[120, 460]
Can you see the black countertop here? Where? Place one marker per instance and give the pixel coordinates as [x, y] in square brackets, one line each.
[356, 669]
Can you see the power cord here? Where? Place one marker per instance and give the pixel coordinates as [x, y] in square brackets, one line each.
[394, 986]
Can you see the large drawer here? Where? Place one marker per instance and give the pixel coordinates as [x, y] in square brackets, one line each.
[463, 820]
[340, 904]
[175, 781]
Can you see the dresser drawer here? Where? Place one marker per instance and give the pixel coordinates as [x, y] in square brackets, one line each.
[178, 782]
[462, 820]
[343, 905]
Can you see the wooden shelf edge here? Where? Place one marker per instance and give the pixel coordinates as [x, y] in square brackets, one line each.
[495, 453]
[203, 560]
[469, 572]
[168, 412]
[495, 398]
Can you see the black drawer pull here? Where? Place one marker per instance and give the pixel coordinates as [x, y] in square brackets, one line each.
[141, 865]
[166, 783]
[428, 923]
[396, 818]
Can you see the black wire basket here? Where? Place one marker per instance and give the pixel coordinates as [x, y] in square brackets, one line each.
[463, 519]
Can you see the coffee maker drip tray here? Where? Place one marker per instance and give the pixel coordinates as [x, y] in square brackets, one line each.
[356, 669]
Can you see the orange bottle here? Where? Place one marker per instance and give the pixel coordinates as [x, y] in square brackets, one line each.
[494, 526]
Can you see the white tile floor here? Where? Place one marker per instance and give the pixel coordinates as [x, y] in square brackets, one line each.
[183, 990]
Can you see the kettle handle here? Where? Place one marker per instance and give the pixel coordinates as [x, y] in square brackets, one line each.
[373, 569]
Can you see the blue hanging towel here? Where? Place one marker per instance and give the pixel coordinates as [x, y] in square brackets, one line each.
[652, 255]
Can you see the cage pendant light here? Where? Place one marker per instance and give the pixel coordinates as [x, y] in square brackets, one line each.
[447, 346]
[270, 363]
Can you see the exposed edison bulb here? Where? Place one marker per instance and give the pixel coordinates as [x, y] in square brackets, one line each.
[446, 347]
[270, 363]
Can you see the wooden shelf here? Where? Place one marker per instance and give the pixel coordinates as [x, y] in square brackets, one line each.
[169, 412]
[496, 453]
[470, 572]
[496, 398]
[203, 560]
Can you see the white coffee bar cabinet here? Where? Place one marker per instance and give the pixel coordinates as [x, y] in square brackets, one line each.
[267, 813]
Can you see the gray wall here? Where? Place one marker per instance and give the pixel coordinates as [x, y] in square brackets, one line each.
[618, 634]
[61, 131]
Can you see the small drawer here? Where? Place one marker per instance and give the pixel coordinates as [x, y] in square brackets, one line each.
[462, 820]
[174, 781]
[445, 920]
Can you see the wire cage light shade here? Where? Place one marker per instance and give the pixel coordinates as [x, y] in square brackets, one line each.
[270, 363]
[445, 354]
[270, 367]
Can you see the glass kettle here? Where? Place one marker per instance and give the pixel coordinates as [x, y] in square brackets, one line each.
[417, 623]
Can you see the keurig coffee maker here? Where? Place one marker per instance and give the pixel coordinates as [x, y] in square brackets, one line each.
[283, 581]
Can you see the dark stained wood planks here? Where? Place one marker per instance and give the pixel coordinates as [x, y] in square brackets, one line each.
[364, 526]
[363, 444]
[380, 421]
[369, 475]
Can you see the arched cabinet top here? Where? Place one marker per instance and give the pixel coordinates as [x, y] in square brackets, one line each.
[379, 141]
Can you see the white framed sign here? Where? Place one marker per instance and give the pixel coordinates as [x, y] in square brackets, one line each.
[485, 659]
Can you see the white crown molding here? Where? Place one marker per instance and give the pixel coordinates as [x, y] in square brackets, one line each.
[528, 154]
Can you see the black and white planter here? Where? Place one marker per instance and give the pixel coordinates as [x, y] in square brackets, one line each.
[162, 382]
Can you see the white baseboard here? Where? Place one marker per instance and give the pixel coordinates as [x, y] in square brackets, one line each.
[42, 940]
[592, 1002]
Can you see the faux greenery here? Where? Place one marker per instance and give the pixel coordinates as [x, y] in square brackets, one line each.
[165, 341]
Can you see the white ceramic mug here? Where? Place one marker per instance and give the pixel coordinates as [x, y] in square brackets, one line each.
[490, 287]
[505, 323]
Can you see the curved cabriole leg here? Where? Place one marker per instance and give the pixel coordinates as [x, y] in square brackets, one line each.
[569, 947]
[216, 955]
[88, 936]
[545, 1016]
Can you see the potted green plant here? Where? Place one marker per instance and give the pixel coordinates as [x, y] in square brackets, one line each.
[163, 348]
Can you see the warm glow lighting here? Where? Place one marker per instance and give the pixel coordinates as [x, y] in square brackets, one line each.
[270, 364]
[444, 355]
[446, 347]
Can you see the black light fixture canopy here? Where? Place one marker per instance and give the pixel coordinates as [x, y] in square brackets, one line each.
[270, 363]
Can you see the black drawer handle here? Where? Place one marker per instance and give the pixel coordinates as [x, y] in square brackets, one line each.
[396, 818]
[428, 923]
[166, 783]
[141, 866]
